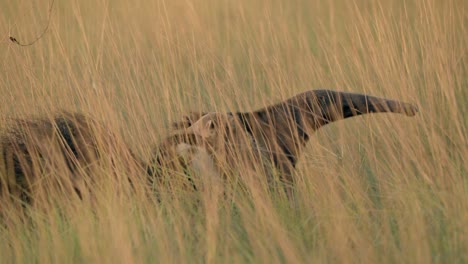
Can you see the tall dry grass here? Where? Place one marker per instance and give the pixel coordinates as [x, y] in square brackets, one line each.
[379, 188]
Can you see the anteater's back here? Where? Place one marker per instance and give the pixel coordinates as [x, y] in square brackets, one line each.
[68, 154]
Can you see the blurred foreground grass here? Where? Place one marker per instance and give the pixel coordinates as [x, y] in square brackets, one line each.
[379, 188]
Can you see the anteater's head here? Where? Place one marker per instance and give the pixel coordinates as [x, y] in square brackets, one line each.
[329, 106]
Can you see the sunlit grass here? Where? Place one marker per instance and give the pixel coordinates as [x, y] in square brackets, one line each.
[378, 188]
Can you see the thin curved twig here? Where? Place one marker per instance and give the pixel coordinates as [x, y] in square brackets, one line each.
[14, 40]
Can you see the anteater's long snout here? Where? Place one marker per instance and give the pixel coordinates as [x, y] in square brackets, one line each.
[371, 104]
[353, 104]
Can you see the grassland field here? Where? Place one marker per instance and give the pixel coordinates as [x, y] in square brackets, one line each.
[372, 189]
